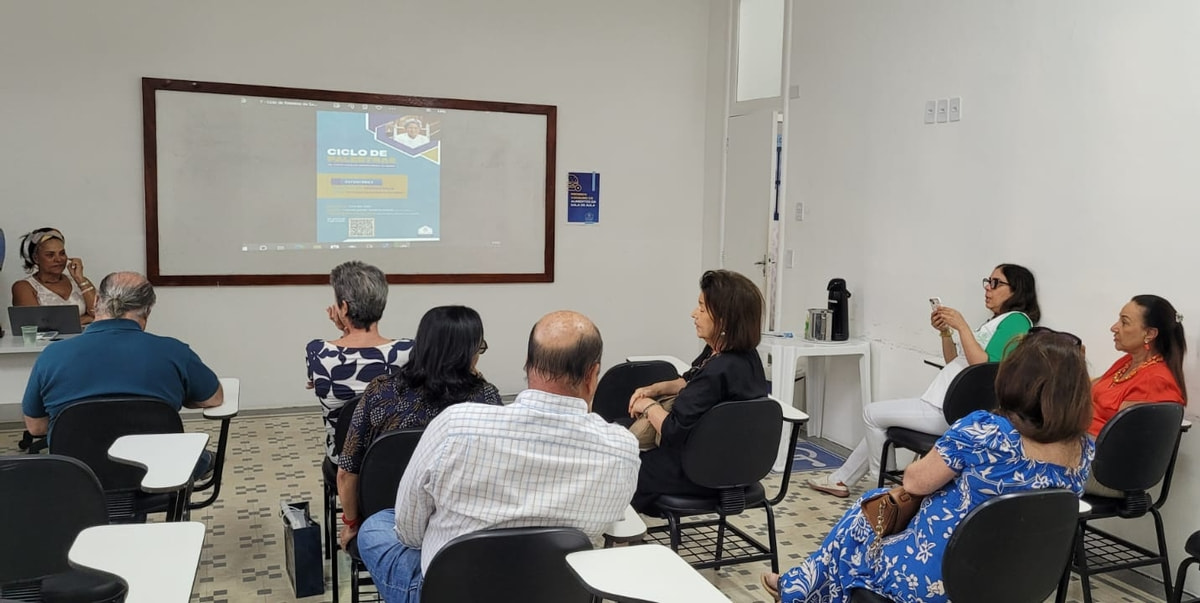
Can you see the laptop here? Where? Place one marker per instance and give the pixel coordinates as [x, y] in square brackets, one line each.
[64, 319]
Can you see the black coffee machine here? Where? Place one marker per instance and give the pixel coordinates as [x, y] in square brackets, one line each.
[839, 304]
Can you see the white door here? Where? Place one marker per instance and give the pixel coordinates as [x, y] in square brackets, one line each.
[750, 199]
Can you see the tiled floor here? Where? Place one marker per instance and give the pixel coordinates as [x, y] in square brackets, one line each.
[273, 458]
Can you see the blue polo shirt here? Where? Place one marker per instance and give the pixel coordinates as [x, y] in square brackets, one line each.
[115, 356]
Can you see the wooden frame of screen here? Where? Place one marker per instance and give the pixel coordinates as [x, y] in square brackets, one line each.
[150, 86]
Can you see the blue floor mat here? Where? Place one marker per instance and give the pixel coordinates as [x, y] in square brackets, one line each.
[810, 457]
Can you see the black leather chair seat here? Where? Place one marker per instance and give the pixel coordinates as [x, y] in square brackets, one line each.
[912, 440]
[1193, 545]
[860, 595]
[83, 584]
[699, 505]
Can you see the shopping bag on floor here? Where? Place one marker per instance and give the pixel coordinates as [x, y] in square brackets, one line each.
[302, 541]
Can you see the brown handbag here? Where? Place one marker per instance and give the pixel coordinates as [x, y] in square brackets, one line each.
[889, 512]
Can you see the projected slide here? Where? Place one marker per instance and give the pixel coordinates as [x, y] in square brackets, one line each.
[378, 177]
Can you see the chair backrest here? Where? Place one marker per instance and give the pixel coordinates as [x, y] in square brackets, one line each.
[510, 564]
[1026, 563]
[86, 430]
[382, 467]
[972, 389]
[1136, 446]
[46, 501]
[734, 443]
[618, 383]
[343, 416]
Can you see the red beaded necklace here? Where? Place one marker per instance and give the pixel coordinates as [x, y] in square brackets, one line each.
[1125, 374]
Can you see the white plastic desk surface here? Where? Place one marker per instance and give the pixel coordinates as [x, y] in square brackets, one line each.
[629, 526]
[646, 572]
[169, 458]
[232, 388]
[158, 560]
[10, 344]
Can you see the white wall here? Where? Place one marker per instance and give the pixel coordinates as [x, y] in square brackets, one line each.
[1075, 157]
[629, 79]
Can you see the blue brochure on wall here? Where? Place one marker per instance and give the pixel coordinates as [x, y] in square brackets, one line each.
[583, 197]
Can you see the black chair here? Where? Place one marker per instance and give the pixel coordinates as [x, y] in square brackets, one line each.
[329, 474]
[378, 481]
[1024, 566]
[510, 564]
[32, 444]
[974, 388]
[47, 500]
[731, 448]
[329, 482]
[86, 430]
[1192, 546]
[619, 382]
[1136, 450]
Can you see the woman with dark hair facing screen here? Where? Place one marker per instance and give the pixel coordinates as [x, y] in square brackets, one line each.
[1150, 333]
[1010, 294]
[1035, 439]
[728, 318]
[55, 279]
[440, 371]
[340, 369]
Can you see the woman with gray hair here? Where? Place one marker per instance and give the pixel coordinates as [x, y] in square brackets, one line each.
[339, 370]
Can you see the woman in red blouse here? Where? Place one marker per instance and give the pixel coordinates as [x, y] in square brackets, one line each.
[1150, 332]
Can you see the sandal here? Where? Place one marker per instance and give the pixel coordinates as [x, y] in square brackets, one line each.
[822, 484]
[770, 583]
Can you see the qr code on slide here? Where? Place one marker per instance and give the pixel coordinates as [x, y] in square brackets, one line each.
[362, 227]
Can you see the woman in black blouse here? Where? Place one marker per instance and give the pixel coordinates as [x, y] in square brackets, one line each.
[729, 320]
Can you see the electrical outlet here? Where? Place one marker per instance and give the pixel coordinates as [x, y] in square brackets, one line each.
[800, 211]
[943, 110]
[956, 108]
[930, 111]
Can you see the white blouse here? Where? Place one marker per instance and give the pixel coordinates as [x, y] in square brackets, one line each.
[46, 297]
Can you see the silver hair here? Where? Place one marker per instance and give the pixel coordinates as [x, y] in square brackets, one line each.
[122, 293]
[364, 288]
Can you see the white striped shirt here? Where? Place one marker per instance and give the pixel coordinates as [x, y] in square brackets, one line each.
[543, 460]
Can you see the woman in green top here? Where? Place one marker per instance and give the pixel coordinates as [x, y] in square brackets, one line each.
[1010, 293]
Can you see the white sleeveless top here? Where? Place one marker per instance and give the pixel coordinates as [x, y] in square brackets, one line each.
[936, 394]
[47, 297]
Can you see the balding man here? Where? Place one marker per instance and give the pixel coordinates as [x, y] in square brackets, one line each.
[544, 460]
[115, 355]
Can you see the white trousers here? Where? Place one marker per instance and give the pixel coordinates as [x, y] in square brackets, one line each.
[910, 413]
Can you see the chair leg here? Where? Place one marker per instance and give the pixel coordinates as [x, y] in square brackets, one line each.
[673, 530]
[772, 542]
[720, 539]
[1085, 580]
[1180, 577]
[353, 581]
[883, 464]
[1162, 551]
[333, 574]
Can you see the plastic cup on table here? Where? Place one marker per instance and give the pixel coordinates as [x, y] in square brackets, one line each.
[29, 334]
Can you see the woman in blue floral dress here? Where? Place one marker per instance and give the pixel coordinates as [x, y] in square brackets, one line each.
[1035, 439]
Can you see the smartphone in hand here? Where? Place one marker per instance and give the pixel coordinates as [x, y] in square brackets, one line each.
[934, 302]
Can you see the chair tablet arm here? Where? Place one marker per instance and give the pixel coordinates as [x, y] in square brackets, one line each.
[681, 367]
[791, 414]
[934, 364]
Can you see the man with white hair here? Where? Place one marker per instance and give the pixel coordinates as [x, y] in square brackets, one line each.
[115, 355]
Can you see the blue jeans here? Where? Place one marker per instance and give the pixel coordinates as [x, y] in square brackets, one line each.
[395, 568]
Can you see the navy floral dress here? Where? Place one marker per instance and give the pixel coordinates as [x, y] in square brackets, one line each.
[985, 450]
[339, 374]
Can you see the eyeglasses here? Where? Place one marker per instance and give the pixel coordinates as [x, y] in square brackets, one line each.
[1048, 331]
[992, 283]
[483, 346]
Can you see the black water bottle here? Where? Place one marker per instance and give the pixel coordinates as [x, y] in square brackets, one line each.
[839, 303]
